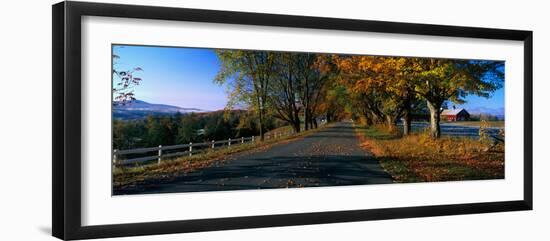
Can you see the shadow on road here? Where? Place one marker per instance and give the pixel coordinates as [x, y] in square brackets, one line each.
[274, 172]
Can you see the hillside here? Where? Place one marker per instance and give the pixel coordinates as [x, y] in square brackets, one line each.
[138, 109]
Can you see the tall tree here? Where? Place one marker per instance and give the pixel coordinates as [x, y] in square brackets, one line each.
[332, 98]
[399, 85]
[380, 85]
[318, 71]
[248, 74]
[306, 77]
[284, 89]
[439, 80]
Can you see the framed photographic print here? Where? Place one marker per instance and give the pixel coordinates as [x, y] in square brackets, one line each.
[170, 120]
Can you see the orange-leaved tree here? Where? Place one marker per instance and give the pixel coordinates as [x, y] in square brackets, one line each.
[440, 80]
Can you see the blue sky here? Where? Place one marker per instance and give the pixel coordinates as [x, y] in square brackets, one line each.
[175, 76]
[496, 101]
[184, 77]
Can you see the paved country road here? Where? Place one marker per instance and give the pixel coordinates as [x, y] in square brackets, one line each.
[330, 157]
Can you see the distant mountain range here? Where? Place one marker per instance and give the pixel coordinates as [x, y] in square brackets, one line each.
[499, 112]
[138, 109]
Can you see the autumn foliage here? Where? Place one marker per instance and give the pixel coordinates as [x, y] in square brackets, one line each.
[387, 88]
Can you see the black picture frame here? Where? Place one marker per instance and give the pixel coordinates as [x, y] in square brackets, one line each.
[66, 198]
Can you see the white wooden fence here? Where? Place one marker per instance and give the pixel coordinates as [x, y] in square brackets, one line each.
[163, 152]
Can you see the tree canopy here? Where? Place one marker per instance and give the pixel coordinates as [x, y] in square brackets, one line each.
[300, 87]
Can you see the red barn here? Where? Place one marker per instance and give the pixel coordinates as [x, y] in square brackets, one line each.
[455, 115]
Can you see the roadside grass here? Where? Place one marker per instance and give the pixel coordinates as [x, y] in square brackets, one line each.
[499, 124]
[286, 128]
[168, 169]
[378, 134]
[419, 158]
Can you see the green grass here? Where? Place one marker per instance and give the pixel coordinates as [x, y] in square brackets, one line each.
[286, 129]
[377, 133]
[499, 124]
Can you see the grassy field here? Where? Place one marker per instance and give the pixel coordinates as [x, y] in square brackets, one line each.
[499, 124]
[124, 176]
[419, 158]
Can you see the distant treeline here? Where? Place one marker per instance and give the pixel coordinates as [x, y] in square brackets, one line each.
[184, 128]
[486, 117]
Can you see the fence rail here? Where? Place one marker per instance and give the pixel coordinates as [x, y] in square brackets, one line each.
[142, 155]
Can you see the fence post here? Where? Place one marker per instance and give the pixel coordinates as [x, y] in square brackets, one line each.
[252, 138]
[160, 154]
[242, 139]
[114, 158]
[213, 143]
[229, 143]
[190, 148]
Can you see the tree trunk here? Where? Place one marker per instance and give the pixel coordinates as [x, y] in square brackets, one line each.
[406, 123]
[368, 120]
[390, 122]
[307, 114]
[435, 130]
[296, 126]
[306, 119]
[297, 123]
[261, 125]
[312, 121]
[315, 125]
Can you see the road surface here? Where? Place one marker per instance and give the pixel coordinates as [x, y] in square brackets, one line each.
[330, 157]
